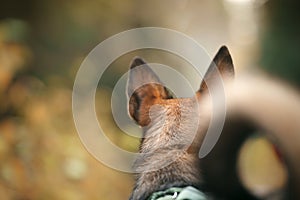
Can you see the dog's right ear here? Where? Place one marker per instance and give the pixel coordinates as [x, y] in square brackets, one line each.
[221, 63]
[144, 89]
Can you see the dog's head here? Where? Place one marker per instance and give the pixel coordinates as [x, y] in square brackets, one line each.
[151, 104]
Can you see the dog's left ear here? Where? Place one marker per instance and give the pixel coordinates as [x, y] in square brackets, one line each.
[222, 62]
[144, 89]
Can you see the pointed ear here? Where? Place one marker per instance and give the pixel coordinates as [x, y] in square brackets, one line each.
[221, 62]
[144, 89]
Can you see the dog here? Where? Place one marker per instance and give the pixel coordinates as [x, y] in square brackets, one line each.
[169, 159]
[174, 128]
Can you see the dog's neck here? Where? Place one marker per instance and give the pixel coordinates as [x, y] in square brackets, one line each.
[164, 160]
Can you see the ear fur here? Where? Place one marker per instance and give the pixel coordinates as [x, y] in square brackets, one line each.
[144, 89]
[221, 62]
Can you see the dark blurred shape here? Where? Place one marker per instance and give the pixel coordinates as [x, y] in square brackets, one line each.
[245, 117]
[16, 9]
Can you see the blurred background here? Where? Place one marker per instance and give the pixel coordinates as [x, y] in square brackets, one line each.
[42, 44]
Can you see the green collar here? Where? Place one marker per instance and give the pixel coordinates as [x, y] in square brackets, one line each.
[176, 193]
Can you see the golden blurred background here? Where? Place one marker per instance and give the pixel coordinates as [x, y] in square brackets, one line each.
[42, 44]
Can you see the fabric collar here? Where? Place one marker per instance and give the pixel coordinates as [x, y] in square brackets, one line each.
[177, 193]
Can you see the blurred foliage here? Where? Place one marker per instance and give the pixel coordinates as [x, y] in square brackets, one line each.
[281, 40]
[41, 47]
[42, 44]
[41, 156]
